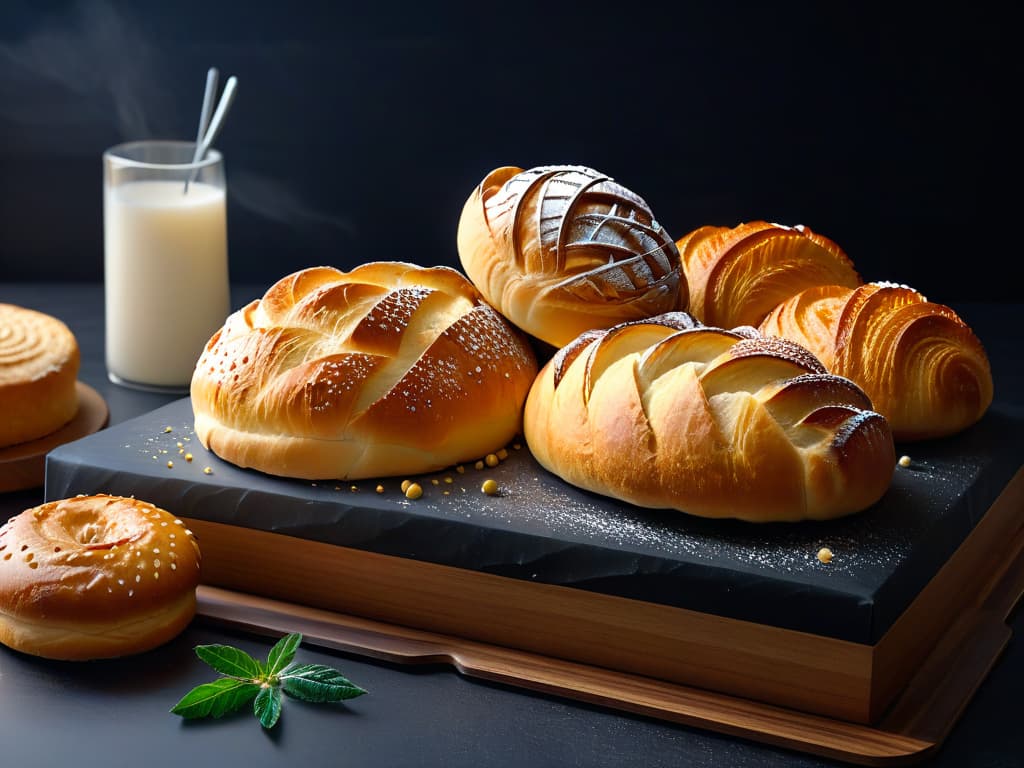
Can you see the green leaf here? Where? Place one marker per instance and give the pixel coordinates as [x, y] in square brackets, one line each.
[230, 661]
[215, 699]
[282, 653]
[317, 683]
[268, 705]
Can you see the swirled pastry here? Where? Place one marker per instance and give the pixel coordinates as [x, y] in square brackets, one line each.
[563, 249]
[665, 413]
[388, 369]
[39, 362]
[920, 363]
[737, 275]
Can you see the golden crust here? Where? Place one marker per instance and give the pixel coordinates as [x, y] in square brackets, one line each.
[388, 369]
[712, 422]
[559, 250]
[95, 576]
[737, 275]
[39, 362]
[920, 363]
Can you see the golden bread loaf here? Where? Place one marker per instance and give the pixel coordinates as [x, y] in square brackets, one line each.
[39, 361]
[668, 414]
[737, 275]
[94, 577]
[388, 369]
[919, 362]
[559, 250]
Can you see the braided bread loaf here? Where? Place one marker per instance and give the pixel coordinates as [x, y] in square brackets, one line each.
[664, 413]
[738, 275]
[922, 366]
[559, 250]
[39, 362]
[388, 369]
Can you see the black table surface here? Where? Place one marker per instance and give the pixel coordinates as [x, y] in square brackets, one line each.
[117, 712]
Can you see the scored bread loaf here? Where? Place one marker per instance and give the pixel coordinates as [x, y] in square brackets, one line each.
[39, 362]
[920, 363]
[737, 275]
[668, 414]
[561, 249]
[388, 369]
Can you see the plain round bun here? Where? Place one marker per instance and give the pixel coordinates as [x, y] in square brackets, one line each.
[669, 414]
[95, 577]
[39, 361]
[386, 370]
[562, 249]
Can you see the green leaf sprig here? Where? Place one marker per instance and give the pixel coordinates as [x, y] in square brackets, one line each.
[245, 680]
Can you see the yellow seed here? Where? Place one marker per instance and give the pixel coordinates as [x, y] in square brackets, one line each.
[517, 446]
[448, 479]
[188, 457]
[170, 464]
[904, 461]
[825, 555]
[460, 469]
[405, 485]
[207, 471]
[180, 445]
[502, 454]
[380, 489]
[354, 488]
[435, 481]
[167, 429]
[414, 491]
[491, 460]
[490, 487]
[479, 465]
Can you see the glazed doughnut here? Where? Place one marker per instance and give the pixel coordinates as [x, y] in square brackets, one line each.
[95, 577]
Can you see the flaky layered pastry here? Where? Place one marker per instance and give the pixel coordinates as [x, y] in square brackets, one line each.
[737, 275]
[559, 250]
[668, 414]
[388, 369]
[920, 363]
[39, 362]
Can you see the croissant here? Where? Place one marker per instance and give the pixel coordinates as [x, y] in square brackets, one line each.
[559, 250]
[39, 362]
[737, 275]
[664, 413]
[388, 369]
[919, 362]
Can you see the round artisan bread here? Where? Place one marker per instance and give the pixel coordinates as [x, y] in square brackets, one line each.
[737, 275]
[94, 577]
[562, 249]
[666, 413]
[388, 369]
[920, 363]
[39, 361]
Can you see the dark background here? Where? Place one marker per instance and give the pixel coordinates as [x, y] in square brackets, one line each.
[360, 128]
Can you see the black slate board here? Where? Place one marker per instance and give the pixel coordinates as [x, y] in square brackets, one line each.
[541, 529]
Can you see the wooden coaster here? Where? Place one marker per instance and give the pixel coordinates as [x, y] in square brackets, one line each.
[24, 465]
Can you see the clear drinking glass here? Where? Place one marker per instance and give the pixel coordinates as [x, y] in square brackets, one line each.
[165, 261]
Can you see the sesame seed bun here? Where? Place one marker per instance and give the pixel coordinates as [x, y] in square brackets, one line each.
[95, 577]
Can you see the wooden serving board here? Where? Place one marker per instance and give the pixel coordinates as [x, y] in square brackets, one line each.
[23, 465]
[915, 726]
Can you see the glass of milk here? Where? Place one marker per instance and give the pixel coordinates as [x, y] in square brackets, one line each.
[166, 286]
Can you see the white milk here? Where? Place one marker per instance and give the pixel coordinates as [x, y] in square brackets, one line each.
[166, 278]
